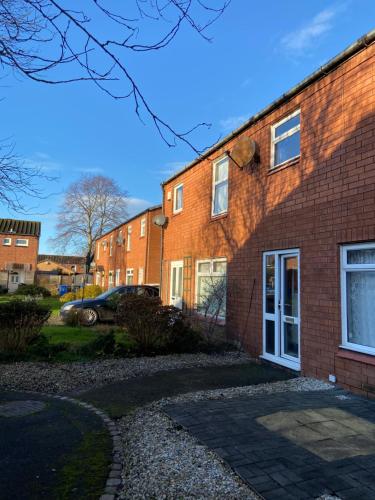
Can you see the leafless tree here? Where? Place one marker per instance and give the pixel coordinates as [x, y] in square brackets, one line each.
[91, 206]
[212, 306]
[17, 179]
[62, 41]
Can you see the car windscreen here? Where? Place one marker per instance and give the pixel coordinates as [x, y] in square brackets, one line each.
[109, 293]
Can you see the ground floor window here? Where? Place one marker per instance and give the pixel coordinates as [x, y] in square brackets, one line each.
[211, 281]
[358, 297]
[117, 277]
[140, 276]
[129, 276]
[110, 279]
[98, 278]
[14, 278]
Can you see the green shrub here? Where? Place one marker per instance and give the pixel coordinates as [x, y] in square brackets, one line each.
[102, 345]
[89, 292]
[21, 323]
[68, 297]
[33, 290]
[41, 348]
[154, 328]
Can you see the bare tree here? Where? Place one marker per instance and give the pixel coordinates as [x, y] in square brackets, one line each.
[91, 206]
[56, 41]
[18, 179]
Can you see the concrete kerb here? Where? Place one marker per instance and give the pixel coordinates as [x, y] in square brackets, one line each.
[114, 478]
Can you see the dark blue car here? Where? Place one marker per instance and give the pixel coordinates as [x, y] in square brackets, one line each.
[102, 307]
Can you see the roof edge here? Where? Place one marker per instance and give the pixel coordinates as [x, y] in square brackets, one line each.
[332, 64]
[149, 209]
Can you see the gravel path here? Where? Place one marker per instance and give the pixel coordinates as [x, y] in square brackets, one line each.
[165, 462]
[64, 377]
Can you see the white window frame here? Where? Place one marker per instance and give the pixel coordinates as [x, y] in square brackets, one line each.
[7, 242]
[288, 133]
[14, 278]
[216, 183]
[175, 189]
[98, 278]
[129, 272]
[110, 246]
[117, 277]
[143, 227]
[212, 274]
[110, 279]
[345, 269]
[26, 244]
[141, 272]
[128, 239]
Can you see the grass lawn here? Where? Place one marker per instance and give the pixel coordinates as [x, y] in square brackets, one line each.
[74, 335]
[52, 302]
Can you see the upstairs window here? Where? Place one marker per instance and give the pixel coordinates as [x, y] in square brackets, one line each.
[220, 187]
[143, 227]
[21, 242]
[98, 250]
[129, 239]
[110, 246]
[285, 139]
[178, 198]
[7, 242]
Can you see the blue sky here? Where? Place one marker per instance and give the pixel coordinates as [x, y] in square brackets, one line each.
[259, 50]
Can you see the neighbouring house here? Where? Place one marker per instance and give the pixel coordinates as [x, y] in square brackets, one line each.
[283, 210]
[19, 243]
[55, 270]
[129, 253]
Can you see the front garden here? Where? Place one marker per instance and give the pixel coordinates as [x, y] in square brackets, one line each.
[31, 330]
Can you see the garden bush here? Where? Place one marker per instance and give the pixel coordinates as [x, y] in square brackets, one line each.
[67, 297]
[89, 292]
[154, 328]
[102, 345]
[33, 290]
[20, 324]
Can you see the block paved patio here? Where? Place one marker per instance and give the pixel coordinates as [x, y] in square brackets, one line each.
[291, 445]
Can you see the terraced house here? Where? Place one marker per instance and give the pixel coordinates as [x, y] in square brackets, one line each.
[129, 253]
[283, 210]
[19, 243]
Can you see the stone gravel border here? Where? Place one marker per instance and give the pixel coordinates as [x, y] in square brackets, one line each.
[114, 481]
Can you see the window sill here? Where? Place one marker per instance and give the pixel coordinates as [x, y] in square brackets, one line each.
[285, 165]
[360, 357]
[174, 214]
[214, 218]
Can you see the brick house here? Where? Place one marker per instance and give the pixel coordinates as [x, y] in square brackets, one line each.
[19, 243]
[54, 270]
[129, 253]
[289, 226]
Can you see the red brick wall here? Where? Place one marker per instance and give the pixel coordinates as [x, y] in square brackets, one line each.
[141, 255]
[317, 203]
[19, 255]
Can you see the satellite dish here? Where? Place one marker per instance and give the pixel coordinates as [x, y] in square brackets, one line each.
[244, 152]
[160, 220]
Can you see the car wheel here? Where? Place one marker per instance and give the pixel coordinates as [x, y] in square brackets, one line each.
[89, 317]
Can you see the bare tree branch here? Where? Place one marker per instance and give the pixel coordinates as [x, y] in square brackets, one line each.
[50, 42]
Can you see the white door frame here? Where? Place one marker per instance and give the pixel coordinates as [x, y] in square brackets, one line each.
[176, 264]
[277, 317]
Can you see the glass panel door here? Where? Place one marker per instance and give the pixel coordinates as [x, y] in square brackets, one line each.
[281, 324]
[289, 307]
[176, 284]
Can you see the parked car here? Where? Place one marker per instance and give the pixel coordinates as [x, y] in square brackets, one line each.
[103, 307]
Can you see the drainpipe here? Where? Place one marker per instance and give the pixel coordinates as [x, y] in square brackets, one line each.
[161, 243]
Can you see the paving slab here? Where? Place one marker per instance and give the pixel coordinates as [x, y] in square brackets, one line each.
[298, 445]
[50, 449]
[120, 398]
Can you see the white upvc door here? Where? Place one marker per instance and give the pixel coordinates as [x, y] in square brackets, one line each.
[176, 283]
[281, 308]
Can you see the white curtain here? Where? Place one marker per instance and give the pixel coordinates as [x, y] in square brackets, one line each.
[361, 307]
